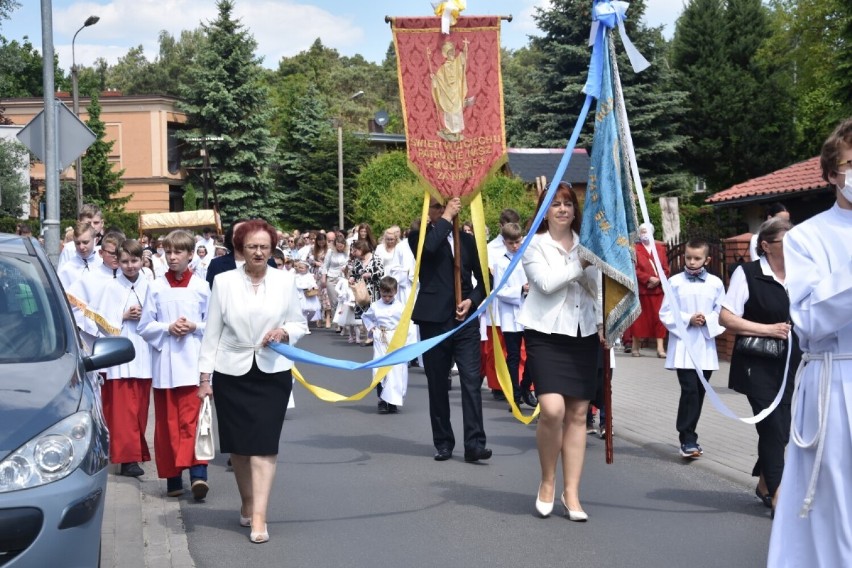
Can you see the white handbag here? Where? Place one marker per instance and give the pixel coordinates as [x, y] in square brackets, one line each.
[204, 443]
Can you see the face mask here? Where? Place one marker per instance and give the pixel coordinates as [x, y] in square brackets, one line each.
[645, 239]
[161, 252]
[695, 272]
[846, 190]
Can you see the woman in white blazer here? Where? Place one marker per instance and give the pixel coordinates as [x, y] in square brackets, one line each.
[562, 317]
[249, 308]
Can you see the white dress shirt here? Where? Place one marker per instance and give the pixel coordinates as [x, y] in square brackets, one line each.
[563, 295]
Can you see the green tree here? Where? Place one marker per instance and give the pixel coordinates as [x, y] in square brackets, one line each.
[134, 74]
[225, 98]
[387, 191]
[307, 164]
[811, 40]
[101, 181]
[14, 161]
[190, 198]
[740, 119]
[6, 9]
[21, 70]
[544, 82]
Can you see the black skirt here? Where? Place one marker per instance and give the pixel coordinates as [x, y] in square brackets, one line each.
[250, 410]
[561, 364]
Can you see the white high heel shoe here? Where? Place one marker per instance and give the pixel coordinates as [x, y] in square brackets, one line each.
[576, 516]
[543, 507]
[259, 537]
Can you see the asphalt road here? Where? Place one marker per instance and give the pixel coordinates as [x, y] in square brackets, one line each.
[359, 489]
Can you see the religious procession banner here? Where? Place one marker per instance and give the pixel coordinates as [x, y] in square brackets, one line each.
[609, 226]
[452, 101]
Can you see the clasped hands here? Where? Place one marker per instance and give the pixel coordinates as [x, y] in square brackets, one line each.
[277, 335]
[181, 327]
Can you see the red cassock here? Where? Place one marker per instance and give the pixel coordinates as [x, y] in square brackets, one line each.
[651, 299]
[488, 367]
[126, 403]
[176, 412]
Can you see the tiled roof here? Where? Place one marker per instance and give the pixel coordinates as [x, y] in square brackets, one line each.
[529, 163]
[804, 176]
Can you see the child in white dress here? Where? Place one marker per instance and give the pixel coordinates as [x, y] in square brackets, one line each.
[344, 315]
[308, 292]
[381, 320]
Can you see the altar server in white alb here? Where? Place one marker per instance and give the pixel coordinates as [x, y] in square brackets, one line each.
[813, 519]
[84, 260]
[173, 319]
[90, 285]
[382, 319]
[698, 296]
[126, 393]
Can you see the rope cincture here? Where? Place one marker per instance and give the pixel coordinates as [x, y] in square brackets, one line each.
[823, 400]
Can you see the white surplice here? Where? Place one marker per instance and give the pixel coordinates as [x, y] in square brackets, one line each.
[87, 288]
[382, 319]
[817, 257]
[694, 296]
[175, 359]
[510, 298]
[118, 296]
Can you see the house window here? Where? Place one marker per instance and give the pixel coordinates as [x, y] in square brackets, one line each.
[175, 198]
[172, 150]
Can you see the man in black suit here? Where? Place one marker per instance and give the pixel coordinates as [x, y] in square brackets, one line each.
[436, 312]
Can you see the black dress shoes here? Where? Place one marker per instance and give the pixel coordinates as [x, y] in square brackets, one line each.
[477, 455]
[443, 454]
[529, 398]
[131, 469]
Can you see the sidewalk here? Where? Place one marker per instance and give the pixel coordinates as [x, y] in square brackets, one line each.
[144, 529]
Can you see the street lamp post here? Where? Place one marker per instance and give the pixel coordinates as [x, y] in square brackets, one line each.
[78, 173]
[340, 165]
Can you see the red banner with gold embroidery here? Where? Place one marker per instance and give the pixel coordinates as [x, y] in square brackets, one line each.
[452, 101]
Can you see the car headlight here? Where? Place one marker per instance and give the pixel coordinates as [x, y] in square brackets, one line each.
[50, 456]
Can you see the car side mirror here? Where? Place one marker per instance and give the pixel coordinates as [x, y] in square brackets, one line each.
[108, 352]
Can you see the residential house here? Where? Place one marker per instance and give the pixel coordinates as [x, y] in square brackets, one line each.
[143, 129]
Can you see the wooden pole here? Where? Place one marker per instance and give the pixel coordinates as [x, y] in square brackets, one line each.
[457, 260]
[607, 386]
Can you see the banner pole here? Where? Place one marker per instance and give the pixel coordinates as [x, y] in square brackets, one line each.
[457, 261]
[607, 385]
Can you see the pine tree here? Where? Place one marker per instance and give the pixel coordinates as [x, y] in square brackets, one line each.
[101, 182]
[225, 98]
[545, 96]
[307, 169]
[740, 120]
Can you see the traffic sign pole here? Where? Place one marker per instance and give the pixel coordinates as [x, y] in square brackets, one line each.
[51, 174]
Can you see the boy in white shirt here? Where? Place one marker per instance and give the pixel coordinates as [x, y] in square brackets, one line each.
[85, 258]
[174, 315]
[127, 390]
[381, 321]
[699, 296]
[510, 298]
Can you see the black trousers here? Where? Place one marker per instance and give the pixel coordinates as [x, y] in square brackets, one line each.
[773, 432]
[691, 401]
[513, 340]
[463, 348]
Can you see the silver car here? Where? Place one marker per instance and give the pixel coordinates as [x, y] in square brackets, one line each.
[54, 444]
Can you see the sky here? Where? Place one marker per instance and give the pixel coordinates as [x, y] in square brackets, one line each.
[282, 28]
